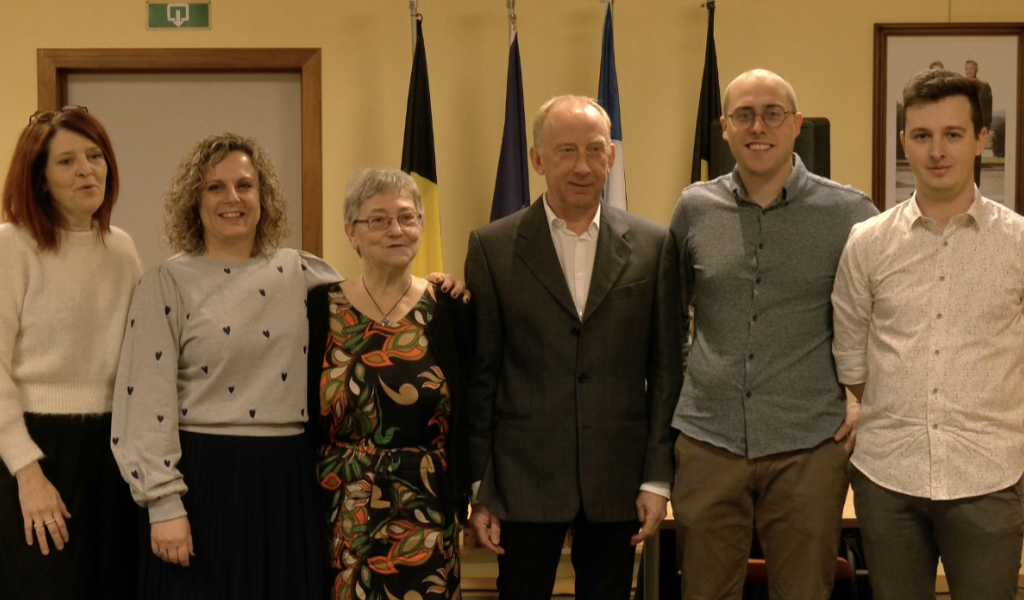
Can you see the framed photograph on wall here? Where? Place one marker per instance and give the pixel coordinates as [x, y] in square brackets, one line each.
[991, 52]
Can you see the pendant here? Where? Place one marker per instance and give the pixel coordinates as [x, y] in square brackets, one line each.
[385, 322]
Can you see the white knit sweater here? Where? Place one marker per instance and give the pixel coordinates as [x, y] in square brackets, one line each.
[62, 319]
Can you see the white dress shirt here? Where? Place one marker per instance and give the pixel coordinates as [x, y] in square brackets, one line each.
[933, 322]
[576, 254]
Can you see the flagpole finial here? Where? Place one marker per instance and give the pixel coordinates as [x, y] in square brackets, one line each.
[710, 4]
[513, 25]
[414, 14]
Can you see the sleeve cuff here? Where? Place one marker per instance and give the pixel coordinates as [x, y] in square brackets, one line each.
[661, 488]
[166, 508]
[475, 487]
[17, 448]
[851, 368]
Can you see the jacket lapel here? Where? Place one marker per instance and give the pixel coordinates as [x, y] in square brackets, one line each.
[613, 252]
[535, 248]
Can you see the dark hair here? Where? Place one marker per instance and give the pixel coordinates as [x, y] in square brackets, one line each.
[25, 199]
[936, 84]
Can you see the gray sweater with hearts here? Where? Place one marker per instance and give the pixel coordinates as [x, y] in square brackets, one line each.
[215, 348]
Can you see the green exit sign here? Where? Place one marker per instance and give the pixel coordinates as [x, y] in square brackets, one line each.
[179, 15]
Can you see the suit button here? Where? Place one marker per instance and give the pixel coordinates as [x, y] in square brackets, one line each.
[575, 332]
[582, 378]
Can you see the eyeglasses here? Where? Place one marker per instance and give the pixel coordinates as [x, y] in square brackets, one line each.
[773, 116]
[381, 223]
[42, 116]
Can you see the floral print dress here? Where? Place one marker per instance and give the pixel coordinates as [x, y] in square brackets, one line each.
[386, 408]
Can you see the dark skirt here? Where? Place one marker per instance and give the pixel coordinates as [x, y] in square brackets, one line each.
[256, 521]
[99, 559]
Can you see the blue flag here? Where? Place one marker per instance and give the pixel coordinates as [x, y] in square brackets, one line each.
[608, 98]
[512, 187]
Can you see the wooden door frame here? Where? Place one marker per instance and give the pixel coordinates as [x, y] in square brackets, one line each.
[54, 65]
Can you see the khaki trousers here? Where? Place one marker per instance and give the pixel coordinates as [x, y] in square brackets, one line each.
[794, 500]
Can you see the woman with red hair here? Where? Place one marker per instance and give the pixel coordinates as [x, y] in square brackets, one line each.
[67, 522]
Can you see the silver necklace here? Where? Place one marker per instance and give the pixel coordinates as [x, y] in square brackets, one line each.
[385, 321]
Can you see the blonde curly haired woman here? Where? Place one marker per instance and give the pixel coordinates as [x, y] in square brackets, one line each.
[210, 391]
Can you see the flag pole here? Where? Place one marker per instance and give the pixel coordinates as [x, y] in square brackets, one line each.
[414, 14]
[511, 20]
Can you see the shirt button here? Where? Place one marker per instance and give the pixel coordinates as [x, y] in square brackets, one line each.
[936, 353]
[938, 316]
[751, 357]
[760, 246]
[582, 378]
[758, 280]
[748, 394]
[935, 390]
[754, 318]
[942, 277]
[935, 425]
[575, 332]
[945, 243]
[579, 276]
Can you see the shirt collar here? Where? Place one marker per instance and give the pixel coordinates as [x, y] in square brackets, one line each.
[790, 190]
[974, 216]
[556, 223]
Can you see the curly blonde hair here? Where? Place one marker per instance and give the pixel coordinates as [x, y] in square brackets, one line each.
[183, 229]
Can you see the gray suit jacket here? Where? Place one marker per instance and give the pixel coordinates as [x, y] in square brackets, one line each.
[564, 411]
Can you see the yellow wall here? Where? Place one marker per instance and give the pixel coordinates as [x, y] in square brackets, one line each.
[824, 47]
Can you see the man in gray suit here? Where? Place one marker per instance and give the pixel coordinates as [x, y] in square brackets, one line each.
[577, 370]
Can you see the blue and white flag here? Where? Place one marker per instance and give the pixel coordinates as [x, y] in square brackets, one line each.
[608, 98]
[512, 187]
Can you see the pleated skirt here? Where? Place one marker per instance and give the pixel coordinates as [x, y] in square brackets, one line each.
[99, 559]
[257, 523]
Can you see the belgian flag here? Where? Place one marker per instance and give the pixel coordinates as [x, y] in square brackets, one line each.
[710, 105]
[418, 160]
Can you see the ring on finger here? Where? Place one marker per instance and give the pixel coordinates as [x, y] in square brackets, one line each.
[49, 522]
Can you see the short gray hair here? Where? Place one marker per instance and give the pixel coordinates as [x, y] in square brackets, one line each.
[575, 101]
[367, 183]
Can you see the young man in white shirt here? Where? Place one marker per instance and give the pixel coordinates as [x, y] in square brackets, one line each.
[929, 335]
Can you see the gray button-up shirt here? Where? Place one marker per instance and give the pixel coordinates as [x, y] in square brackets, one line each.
[761, 379]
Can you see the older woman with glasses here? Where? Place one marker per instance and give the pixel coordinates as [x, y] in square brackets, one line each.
[66, 524]
[389, 355]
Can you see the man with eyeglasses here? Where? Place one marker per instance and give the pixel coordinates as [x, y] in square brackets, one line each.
[765, 430]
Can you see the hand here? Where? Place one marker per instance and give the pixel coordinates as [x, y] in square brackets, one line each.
[448, 282]
[848, 430]
[487, 528]
[42, 508]
[650, 511]
[171, 541]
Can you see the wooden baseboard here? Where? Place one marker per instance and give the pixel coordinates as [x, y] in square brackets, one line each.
[563, 585]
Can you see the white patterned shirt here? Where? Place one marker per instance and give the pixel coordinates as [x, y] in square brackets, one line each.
[932, 322]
